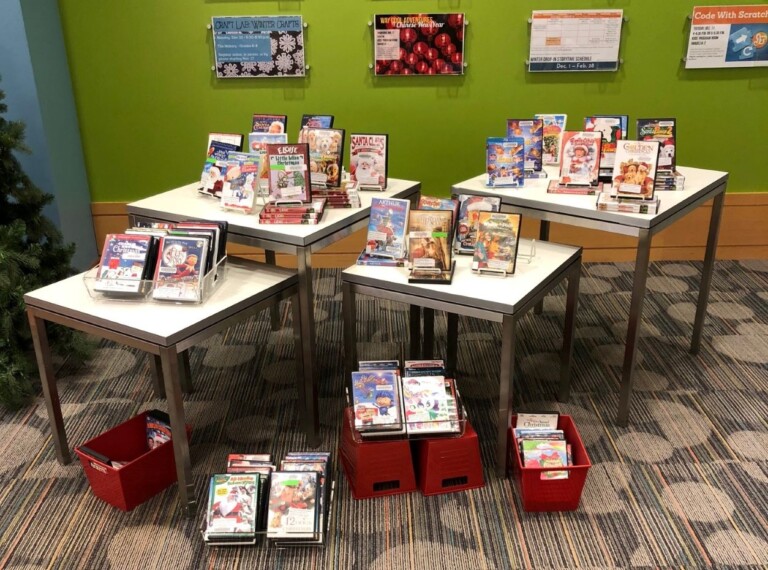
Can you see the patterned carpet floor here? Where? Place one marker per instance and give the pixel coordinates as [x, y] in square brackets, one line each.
[685, 485]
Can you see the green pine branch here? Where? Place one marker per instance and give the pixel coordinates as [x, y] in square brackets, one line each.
[32, 254]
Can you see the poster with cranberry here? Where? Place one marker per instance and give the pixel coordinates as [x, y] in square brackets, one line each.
[419, 44]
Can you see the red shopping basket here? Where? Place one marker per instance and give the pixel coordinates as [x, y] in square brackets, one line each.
[145, 473]
[540, 494]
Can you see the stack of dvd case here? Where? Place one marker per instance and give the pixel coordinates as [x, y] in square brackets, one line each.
[232, 515]
[541, 444]
[385, 243]
[422, 401]
[289, 505]
[609, 202]
[303, 213]
[237, 505]
[173, 261]
[300, 495]
[126, 266]
[663, 130]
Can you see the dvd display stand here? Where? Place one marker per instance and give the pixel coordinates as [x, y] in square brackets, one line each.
[504, 301]
[166, 332]
[701, 185]
[432, 275]
[528, 257]
[210, 282]
[300, 240]
[314, 537]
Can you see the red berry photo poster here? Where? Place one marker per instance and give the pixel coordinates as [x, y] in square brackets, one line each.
[419, 44]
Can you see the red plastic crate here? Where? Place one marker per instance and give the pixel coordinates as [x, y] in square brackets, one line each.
[447, 465]
[375, 468]
[147, 472]
[552, 494]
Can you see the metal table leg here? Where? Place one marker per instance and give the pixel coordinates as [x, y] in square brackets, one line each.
[452, 341]
[572, 300]
[428, 342]
[169, 359]
[505, 391]
[185, 375]
[633, 328]
[303, 389]
[307, 321]
[156, 371]
[706, 275]
[349, 314]
[543, 236]
[50, 391]
[415, 332]
[274, 312]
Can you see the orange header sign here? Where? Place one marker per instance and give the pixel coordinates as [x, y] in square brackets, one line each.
[562, 15]
[748, 14]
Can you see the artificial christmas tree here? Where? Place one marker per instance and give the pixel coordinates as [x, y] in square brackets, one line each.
[32, 254]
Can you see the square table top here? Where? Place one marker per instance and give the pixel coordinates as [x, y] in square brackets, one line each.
[534, 196]
[245, 283]
[503, 295]
[186, 203]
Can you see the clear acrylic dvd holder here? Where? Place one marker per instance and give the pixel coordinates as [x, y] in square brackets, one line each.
[298, 539]
[527, 257]
[141, 290]
[419, 422]
[262, 193]
[372, 187]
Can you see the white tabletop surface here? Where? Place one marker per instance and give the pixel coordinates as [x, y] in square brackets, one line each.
[501, 295]
[186, 202]
[245, 284]
[533, 195]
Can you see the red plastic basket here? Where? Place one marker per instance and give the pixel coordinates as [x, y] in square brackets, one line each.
[375, 468]
[450, 464]
[147, 472]
[553, 494]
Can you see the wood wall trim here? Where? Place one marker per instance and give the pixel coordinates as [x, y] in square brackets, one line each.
[109, 208]
[743, 235]
[746, 199]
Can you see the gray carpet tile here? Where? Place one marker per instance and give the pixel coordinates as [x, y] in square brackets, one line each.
[685, 485]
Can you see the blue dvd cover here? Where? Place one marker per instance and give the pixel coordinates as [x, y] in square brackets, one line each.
[387, 227]
[504, 161]
[532, 130]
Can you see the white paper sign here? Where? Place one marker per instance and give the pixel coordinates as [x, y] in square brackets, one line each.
[387, 45]
[575, 40]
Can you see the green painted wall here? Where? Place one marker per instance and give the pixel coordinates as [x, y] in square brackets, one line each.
[147, 99]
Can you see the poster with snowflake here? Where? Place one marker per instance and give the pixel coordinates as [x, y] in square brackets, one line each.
[258, 46]
[419, 44]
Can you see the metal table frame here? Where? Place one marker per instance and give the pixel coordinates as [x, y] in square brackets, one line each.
[643, 230]
[419, 298]
[169, 365]
[273, 243]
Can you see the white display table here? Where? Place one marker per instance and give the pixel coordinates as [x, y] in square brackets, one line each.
[299, 240]
[700, 186]
[164, 330]
[503, 300]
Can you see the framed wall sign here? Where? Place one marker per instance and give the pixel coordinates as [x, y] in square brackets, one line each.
[258, 46]
[575, 40]
[419, 44]
[728, 36]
